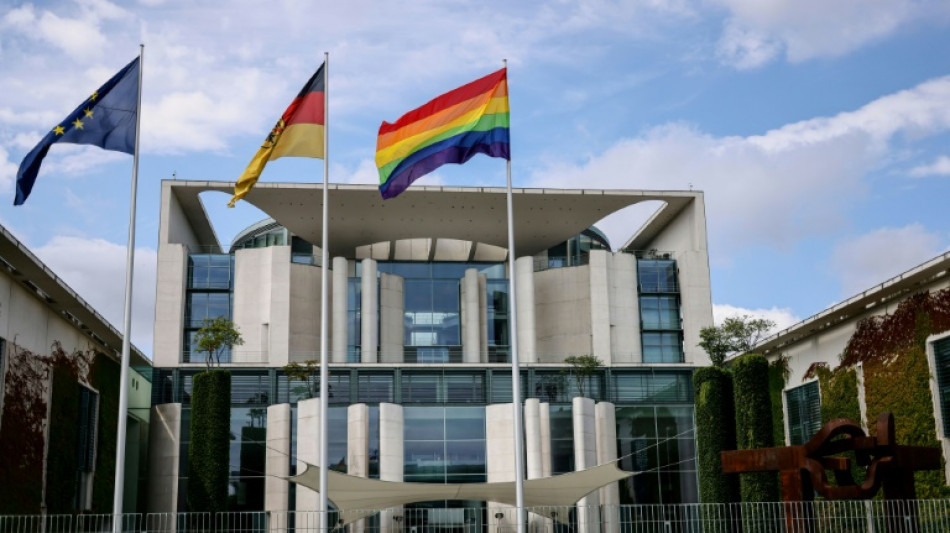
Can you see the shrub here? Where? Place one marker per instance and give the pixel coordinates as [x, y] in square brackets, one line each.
[208, 451]
[754, 423]
[715, 432]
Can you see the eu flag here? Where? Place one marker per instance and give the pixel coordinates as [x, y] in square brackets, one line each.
[106, 119]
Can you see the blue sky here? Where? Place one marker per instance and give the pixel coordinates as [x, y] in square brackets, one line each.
[818, 129]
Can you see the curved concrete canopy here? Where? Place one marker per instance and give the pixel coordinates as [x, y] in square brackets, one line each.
[358, 216]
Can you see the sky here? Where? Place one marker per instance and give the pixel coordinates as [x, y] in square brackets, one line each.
[817, 129]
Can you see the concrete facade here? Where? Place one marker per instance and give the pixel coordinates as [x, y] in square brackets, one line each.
[38, 311]
[823, 337]
[587, 305]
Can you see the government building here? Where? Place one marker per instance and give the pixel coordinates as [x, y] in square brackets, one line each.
[420, 384]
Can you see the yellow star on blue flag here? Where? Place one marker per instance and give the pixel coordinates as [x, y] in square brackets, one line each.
[106, 119]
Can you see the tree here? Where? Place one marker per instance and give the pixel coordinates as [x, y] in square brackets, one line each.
[582, 368]
[736, 335]
[305, 372]
[215, 336]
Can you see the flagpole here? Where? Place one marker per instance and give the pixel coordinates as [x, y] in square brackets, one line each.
[324, 260]
[515, 366]
[127, 323]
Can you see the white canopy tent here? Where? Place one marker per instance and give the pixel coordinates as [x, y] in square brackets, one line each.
[358, 497]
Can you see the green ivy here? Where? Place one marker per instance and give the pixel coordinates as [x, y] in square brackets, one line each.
[104, 376]
[778, 377]
[839, 399]
[208, 451]
[715, 431]
[754, 423]
[62, 460]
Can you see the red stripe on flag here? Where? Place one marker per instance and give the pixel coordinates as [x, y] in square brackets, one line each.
[456, 96]
[306, 110]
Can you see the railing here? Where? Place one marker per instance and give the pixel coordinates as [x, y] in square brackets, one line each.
[912, 516]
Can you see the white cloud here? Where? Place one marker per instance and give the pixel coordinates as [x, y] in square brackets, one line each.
[95, 269]
[758, 31]
[940, 167]
[875, 257]
[8, 171]
[772, 189]
[782, 316]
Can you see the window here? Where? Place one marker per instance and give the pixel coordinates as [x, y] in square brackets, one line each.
[657, 275]
[210, 292]
[804, 412]
[86, 440]
[660, 312]
[661, 327]
[662, 347]
[941, 350]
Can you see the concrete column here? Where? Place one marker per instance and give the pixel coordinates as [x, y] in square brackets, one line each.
[624, 309]
[391, 461]
[277, 466]
[471, 329]
[357, 448]
[483, 317]
[338, 315]
[544, 412]
[369, 314]
[500, 462]
[308, 449]
[534, 454]
[164, 456]
[600, 305]
[605, 423]
[527, 328]
[585, 456]
[392, 325]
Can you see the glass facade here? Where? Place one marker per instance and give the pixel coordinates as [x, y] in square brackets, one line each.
[445, 425]
[444, 444]
[661, 328]
[432, 310]
[209, 294]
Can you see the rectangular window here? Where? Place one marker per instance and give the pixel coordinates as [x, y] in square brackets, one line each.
[657, 275]
[662, 347]
[660, 312]
[804, 412]
[86, 440]
[941, 350]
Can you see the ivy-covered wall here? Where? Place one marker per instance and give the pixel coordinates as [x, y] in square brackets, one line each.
[754, 423]
[715, 431]
[891, 349]
[778, 377]
[839, 399]
[62, 458]
[208, 451]
[104, 377]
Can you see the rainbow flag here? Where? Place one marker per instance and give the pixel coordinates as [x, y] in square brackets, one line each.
[298, 133]
[452, 128]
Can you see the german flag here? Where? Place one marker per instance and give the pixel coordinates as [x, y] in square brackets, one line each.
[298, 133]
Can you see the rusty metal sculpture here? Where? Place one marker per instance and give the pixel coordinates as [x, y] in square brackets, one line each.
[803, 469]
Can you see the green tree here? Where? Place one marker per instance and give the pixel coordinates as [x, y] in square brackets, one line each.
[305, 372]
[582, 367]
[215, 336]
[736, 335]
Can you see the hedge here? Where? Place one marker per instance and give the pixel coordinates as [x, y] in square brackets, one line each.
[209, 448]
[715, 432]
[754, 423]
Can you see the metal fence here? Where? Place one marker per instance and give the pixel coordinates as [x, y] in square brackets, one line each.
[912, 516]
